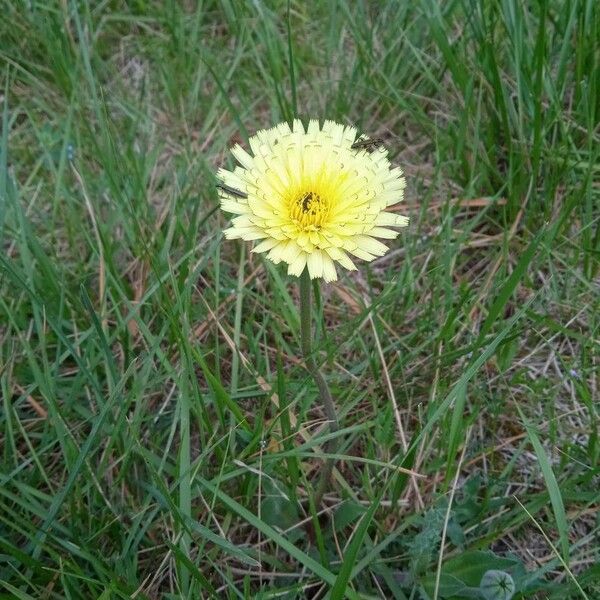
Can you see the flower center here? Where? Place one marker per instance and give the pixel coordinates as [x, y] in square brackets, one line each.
[307, 200]
[308, 210]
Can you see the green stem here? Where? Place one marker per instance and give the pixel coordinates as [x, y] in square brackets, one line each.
[325, 394]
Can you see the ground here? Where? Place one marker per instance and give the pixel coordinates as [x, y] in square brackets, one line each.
[160, 435]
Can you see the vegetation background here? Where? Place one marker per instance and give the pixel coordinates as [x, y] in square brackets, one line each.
[159, 434]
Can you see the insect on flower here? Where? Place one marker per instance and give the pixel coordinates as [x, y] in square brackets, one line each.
[231, 191]
[367, 144]
[310, 199]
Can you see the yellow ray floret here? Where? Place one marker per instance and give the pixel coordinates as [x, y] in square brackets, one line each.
[310, 199]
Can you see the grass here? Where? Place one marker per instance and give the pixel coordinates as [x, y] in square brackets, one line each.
[160, 437]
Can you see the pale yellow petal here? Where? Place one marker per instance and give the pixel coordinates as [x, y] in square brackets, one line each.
[384, 219]
[313, 127]
[371, 245]
[265, 245]
[277, 253]
[314, 262]
[383, 232]
[233, 206]
[329, 272]
[297, 266]
[360, 253]
[291, 252]
[341, 257]
[242, 157]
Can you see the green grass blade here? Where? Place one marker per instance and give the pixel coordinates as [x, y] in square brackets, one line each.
[295, 552]
[552, 486]
[338, 591]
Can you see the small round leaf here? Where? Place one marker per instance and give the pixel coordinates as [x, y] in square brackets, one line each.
[497, 585]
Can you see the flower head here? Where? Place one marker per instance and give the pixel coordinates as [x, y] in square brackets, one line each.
[312, 197]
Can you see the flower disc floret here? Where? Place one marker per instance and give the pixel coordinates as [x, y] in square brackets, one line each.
[310, 199]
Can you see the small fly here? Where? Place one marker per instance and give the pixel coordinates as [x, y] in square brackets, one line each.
[231, 191]
[367, 144]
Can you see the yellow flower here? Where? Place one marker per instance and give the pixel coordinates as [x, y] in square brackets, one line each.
[312, 198]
